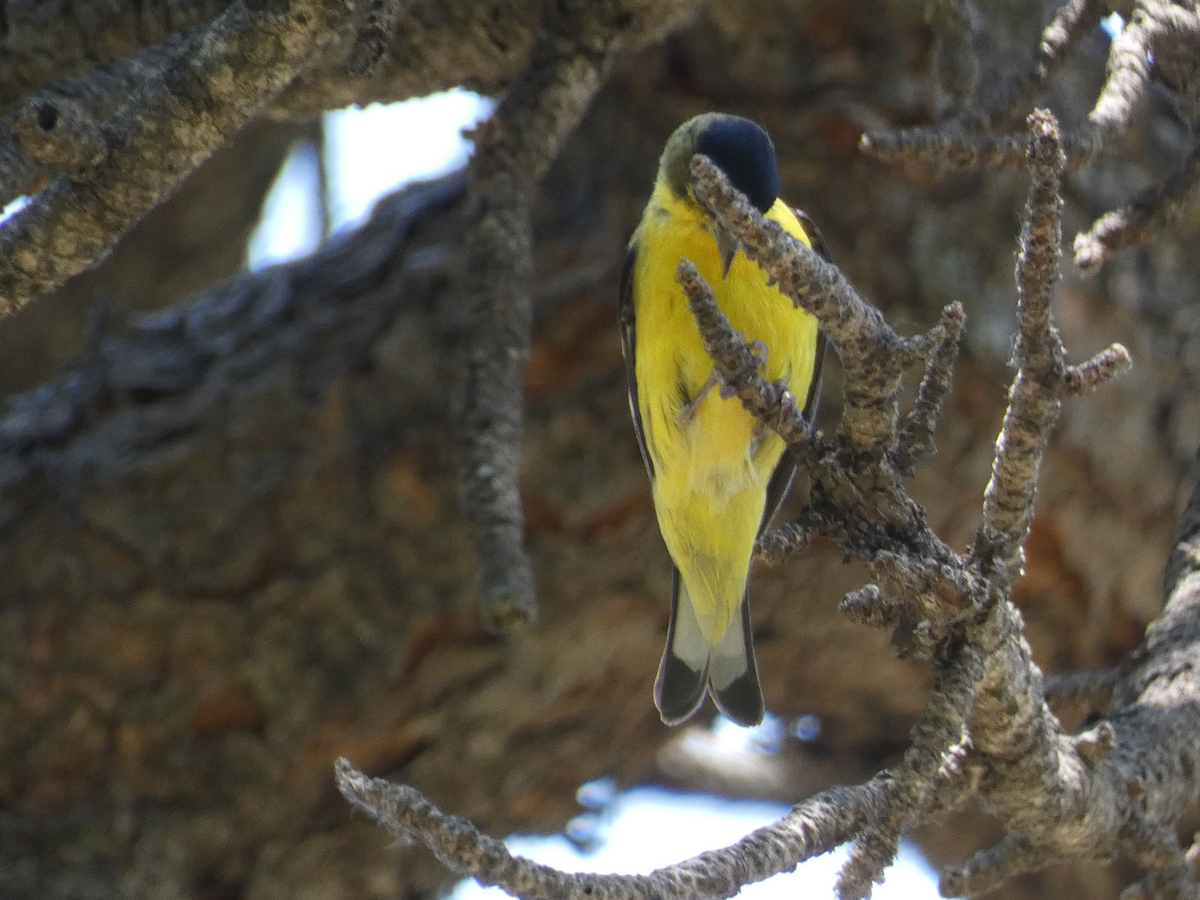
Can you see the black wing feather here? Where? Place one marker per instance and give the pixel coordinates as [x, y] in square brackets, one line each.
[629, 349]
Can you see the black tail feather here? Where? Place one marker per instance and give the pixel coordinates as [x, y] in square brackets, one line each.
[679, 688]
[690, 664]
[678, 691]
[741, 701]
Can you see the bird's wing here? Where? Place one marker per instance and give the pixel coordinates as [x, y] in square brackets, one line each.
[822, 250]
[785, 470]
[629, 348]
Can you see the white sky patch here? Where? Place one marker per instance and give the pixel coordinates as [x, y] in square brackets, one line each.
[291, 218]
[13, 208]
[375, 150]
[368, 153]
[1112, 25]
[649, 828]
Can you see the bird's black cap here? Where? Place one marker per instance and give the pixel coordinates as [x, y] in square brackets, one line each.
[738, 147]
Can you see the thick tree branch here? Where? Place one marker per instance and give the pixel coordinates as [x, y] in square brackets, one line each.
[216, 80]
[43, 44]
[149, 390]
[57, 130]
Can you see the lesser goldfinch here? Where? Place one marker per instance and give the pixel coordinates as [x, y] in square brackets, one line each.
[718, 475]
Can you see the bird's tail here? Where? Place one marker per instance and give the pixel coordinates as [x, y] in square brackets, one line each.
[691, 665]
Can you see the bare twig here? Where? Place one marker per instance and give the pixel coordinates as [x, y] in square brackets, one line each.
[815, 826]
[1141, 218]
[1074, 20]
[1033, 402]
[872, 352]
[1014, 855]
[927, 780]
[513, 149]
[1043, 377]
[915, 441]
[950, 149]
[869, 510]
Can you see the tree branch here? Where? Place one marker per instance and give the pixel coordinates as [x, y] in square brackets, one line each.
[149, 390]
[1119, 787]
[215, 81]
[513, 150]
[57, 130]
[815, 826]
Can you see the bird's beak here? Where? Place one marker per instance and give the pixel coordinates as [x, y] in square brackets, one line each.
[727, 246]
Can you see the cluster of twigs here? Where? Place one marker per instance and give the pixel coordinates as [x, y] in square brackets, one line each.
[1160, 39]
[1117, 788]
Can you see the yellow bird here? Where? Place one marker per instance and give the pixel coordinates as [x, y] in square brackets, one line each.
[718, 476]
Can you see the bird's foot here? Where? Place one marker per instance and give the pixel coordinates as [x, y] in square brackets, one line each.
[688, 413]
[758, 352]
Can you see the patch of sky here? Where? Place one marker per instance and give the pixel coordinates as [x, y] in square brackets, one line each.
[369, 152]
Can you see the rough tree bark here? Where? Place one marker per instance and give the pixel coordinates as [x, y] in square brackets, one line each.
[231, 548]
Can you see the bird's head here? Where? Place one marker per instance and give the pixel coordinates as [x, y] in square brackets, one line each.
[738, 147]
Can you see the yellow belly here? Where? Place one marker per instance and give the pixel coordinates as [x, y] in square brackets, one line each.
[711, 468]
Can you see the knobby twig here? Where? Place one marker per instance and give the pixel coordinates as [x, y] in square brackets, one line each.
[1042, 372]
[858, 495]
[1074, 20]
[815, 826]
[1142, 218]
